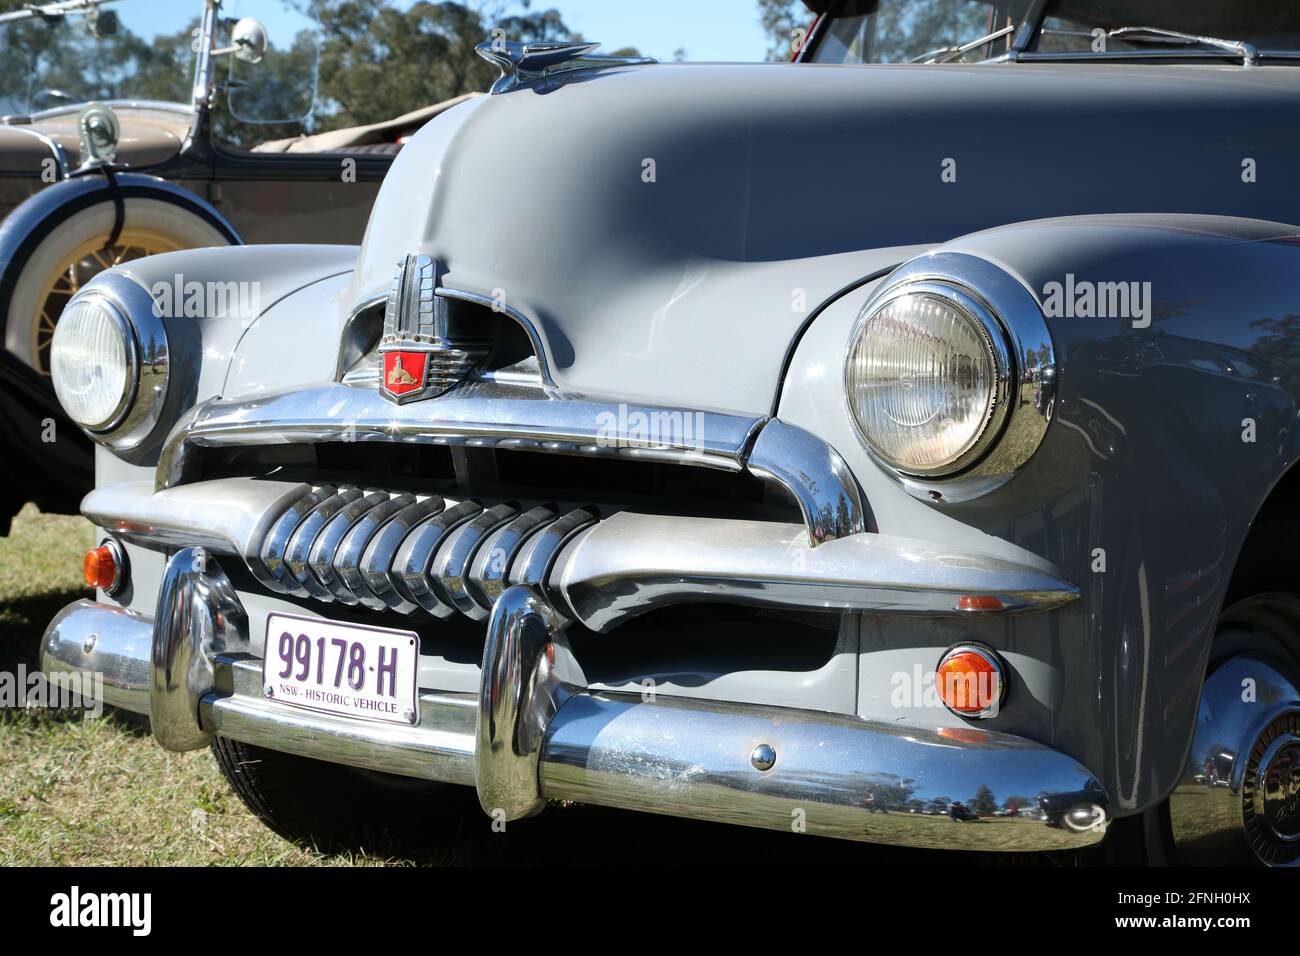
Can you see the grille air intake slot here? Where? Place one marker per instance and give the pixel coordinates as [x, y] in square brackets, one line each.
[404, 552]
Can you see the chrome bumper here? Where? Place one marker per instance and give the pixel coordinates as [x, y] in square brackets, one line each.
[528, 737]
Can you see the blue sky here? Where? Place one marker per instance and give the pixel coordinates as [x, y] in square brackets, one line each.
[705, 29]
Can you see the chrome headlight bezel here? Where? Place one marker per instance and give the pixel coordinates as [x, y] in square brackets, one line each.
[148, 372]
[1020, 348]
[980, 318]
[107, 307]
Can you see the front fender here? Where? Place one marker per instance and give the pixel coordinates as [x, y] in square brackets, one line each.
[207, 300]
[1167, 437]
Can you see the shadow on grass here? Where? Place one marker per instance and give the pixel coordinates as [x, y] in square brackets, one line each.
[22, 624]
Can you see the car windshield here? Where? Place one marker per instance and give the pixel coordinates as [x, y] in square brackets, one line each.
[900, 31]
[143, 50]
[60, 61]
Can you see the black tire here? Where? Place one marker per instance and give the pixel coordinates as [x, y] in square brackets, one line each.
[330, 807]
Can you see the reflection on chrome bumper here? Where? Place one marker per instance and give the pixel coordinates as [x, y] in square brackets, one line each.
[527, 737]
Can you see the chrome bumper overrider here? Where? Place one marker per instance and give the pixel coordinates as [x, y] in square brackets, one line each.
[527, 737]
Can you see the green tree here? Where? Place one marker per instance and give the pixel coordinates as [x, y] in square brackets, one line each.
[984, 802]
[378, 62]
[375, 62]
[780, 20]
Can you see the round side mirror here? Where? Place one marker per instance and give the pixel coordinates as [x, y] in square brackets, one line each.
[248, 38]
[99, 132]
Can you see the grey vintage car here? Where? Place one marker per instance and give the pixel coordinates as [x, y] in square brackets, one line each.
[893, 451]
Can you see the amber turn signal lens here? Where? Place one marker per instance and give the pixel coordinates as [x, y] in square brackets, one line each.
[969, 681]
[978, 602]
[99, 567]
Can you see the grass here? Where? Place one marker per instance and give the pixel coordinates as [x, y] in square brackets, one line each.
[77, 791]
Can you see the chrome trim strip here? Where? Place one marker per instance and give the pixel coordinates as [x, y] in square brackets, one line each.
[198, 616]
[449, 570]
[480, 413]
[297, 551]
[377, 560]
[163, 105]
[1083, 56]
[326, 546]
[411, 572]
[1247, 51]
[632, 563]
[816, 475]
[487, 577]
[269, 566]
[349, 586]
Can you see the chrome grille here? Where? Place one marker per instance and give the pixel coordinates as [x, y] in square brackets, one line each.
[406, 553]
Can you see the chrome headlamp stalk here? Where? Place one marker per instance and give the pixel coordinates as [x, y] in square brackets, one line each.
[950, 376]
[109, 362]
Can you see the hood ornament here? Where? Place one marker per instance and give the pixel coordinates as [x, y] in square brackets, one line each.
[522, 62]
[421, 359]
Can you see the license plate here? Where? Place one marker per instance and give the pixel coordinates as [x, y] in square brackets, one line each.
[346, 669]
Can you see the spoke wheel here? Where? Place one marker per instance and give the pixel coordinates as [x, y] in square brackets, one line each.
[83, 264]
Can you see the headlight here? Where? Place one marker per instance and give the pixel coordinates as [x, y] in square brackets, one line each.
[108, 360]
[927, 379]
[93, 362]
[950, 374]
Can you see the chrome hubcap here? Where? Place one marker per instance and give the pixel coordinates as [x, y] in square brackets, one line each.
[1272, 794]
[1239, 797]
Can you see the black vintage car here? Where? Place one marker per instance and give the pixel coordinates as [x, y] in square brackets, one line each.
[88, 183]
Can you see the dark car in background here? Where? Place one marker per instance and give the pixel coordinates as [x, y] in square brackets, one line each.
[87, 183]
